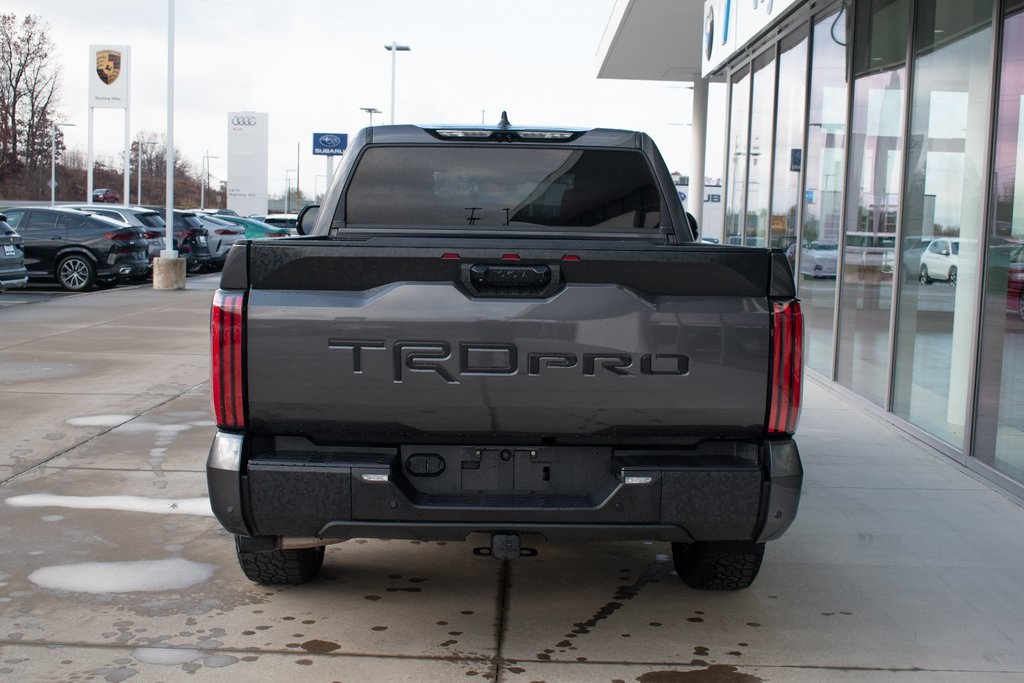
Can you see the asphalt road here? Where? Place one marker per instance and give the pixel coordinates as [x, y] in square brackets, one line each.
[32, 294]
[900, 566]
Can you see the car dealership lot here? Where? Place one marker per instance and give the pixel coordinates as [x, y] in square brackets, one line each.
[899, 566]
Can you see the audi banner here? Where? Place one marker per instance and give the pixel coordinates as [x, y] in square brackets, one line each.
[248, 145]
[108, 76]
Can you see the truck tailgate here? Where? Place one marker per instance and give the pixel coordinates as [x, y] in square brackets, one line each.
[629, 342]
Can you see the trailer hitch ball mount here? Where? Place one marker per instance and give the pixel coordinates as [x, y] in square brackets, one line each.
[505, 546]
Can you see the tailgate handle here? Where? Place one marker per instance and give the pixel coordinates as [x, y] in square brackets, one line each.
[507, 280]
[485, 276]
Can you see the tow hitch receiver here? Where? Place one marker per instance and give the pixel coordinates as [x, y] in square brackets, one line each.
[505, 547]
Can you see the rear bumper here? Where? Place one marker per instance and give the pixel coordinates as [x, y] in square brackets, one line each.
[722, 492]
[127, 268]
[13, 279]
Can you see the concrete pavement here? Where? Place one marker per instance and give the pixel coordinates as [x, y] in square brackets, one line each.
[900, 566]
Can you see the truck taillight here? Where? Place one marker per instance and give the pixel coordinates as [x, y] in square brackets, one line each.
[226, 343]
[787, 369]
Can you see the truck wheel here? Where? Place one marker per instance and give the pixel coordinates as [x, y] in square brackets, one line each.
[718, 565]
[281, 566]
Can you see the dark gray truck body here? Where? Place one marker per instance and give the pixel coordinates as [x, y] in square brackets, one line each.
[577, 384]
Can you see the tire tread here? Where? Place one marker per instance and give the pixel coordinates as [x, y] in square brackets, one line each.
[718, 565]
[291, 567]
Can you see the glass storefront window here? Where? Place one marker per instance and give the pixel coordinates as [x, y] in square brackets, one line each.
[999, 434]
[760, 173]
[942, 216]
[872, 210]
[739, 113]
[823, 185]
[789, 143]
[881, 35]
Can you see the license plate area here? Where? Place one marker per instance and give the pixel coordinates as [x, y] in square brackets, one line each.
[467, 472]
[9, 250]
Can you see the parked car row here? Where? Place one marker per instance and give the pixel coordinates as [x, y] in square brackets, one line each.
[78, 249]
[98, 245]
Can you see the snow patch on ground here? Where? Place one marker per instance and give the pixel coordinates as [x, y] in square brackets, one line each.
[164, 506]
[123, 577]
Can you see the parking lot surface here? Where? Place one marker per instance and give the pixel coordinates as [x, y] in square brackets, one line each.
[900, 566]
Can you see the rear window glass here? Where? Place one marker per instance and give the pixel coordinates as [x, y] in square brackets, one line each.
[187, 221]
[497, 187]
[151, 220]
[78, 222]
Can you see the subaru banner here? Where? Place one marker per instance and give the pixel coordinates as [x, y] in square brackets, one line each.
[330, 144]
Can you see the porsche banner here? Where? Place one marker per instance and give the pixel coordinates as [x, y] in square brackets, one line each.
[108, 76]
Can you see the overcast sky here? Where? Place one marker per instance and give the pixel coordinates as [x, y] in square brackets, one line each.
[313, 64]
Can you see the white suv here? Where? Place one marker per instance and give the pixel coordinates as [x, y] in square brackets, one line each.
[939, 261]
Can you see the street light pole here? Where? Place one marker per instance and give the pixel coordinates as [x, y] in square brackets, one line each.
[371, 111]
[53, 161]
[394, 48]
[205, 180]
[288, 186]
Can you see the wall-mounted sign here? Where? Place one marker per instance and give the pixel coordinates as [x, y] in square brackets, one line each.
[730, 24]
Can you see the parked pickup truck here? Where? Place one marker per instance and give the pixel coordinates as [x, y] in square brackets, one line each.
[507, 332]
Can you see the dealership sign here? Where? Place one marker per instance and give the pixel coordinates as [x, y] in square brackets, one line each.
[108, 76]
[329, 144]
[730, 24]
[248, 155]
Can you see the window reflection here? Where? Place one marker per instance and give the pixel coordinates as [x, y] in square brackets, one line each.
[739, 111]
[942, 217]
[760, 173]
[789, 144]
[825, 160]
[1000, 427]
[871, 225]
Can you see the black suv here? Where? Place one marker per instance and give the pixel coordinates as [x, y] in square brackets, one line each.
[191, 239]
[78, 249]
[12, 259]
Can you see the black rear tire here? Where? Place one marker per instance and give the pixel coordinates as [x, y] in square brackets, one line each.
[718, 565]
[290, 567]
[76, 273]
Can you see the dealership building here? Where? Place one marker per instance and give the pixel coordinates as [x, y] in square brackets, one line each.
[881, 143]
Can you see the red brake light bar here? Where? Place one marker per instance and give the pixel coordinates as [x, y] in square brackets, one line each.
[786, 367]
[226, 344]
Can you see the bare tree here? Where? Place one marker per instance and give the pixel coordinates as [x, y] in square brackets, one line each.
[28, 92]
